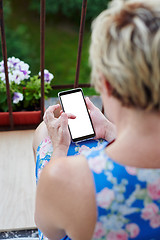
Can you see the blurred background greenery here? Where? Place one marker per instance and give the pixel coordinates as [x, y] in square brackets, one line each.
[22, 27]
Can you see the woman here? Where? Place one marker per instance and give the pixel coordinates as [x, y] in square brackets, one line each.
[111, 191]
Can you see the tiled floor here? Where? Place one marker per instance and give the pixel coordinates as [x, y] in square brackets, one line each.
[17, 180]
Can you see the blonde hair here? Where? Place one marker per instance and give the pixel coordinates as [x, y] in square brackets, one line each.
[125, 48]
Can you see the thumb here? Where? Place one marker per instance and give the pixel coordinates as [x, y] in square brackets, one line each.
[90, 105]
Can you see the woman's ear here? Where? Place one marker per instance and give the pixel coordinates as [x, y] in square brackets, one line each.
[106, 86]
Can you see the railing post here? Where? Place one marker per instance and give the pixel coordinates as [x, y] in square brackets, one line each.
[42, 53]
[4, 53]
[81, 34]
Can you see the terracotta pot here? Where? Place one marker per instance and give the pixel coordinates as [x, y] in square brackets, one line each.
[21, 118]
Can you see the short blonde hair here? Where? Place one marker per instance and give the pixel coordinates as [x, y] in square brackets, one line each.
[125, 48]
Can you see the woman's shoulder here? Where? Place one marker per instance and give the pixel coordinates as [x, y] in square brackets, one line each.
[72, 187]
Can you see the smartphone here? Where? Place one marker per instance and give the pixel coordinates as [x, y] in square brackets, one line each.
[72, 101]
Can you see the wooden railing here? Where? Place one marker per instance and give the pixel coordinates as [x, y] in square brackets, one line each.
[42, 59]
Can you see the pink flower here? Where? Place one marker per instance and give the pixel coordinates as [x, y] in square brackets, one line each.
[45, 146]
[45, 163]
[118, 235]
[149, 211]
[133, 230]
[155, 221]
[47, 140]
[99, 231]
[154, 190]
[105, 198]
[131, 170]
[82, 148]
[43, 151]
[97, 164]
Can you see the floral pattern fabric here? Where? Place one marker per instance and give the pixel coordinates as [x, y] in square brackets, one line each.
[128, 198]
[44, 152]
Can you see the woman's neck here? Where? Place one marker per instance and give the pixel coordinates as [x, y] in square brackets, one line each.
[138, 122]
[138, 137]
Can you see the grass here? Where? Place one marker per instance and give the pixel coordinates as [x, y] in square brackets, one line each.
[61, 44]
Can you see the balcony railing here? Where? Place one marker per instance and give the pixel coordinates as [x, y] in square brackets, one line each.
[42, 60]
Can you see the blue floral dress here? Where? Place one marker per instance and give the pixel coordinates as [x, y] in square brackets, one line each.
[128, 198]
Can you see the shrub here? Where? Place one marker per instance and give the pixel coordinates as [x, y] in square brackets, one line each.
[71, 8]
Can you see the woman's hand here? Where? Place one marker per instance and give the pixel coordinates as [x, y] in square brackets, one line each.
[102, 126]
[58, 130]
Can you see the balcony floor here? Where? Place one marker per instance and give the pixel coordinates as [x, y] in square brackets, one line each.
[17, 180]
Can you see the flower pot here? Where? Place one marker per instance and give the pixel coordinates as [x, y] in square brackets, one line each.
[21, 118]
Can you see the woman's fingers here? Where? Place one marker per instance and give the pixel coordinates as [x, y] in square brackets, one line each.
[64, 121]
[64, 126]
[61, 112]
[70, 115]
[49, 113]
[55, 123]
[58, 128]
[90, 105]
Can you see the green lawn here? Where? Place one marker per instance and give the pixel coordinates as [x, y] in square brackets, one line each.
[60, 47]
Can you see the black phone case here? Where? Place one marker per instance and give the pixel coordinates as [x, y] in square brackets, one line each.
[82, 138]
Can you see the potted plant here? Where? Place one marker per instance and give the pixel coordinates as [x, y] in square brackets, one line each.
[25, 93]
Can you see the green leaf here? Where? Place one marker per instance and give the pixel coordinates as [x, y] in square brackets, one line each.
[3, 97]
[141, 194]
[4, 107]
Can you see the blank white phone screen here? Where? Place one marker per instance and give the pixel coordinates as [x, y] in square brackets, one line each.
[81, 125]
